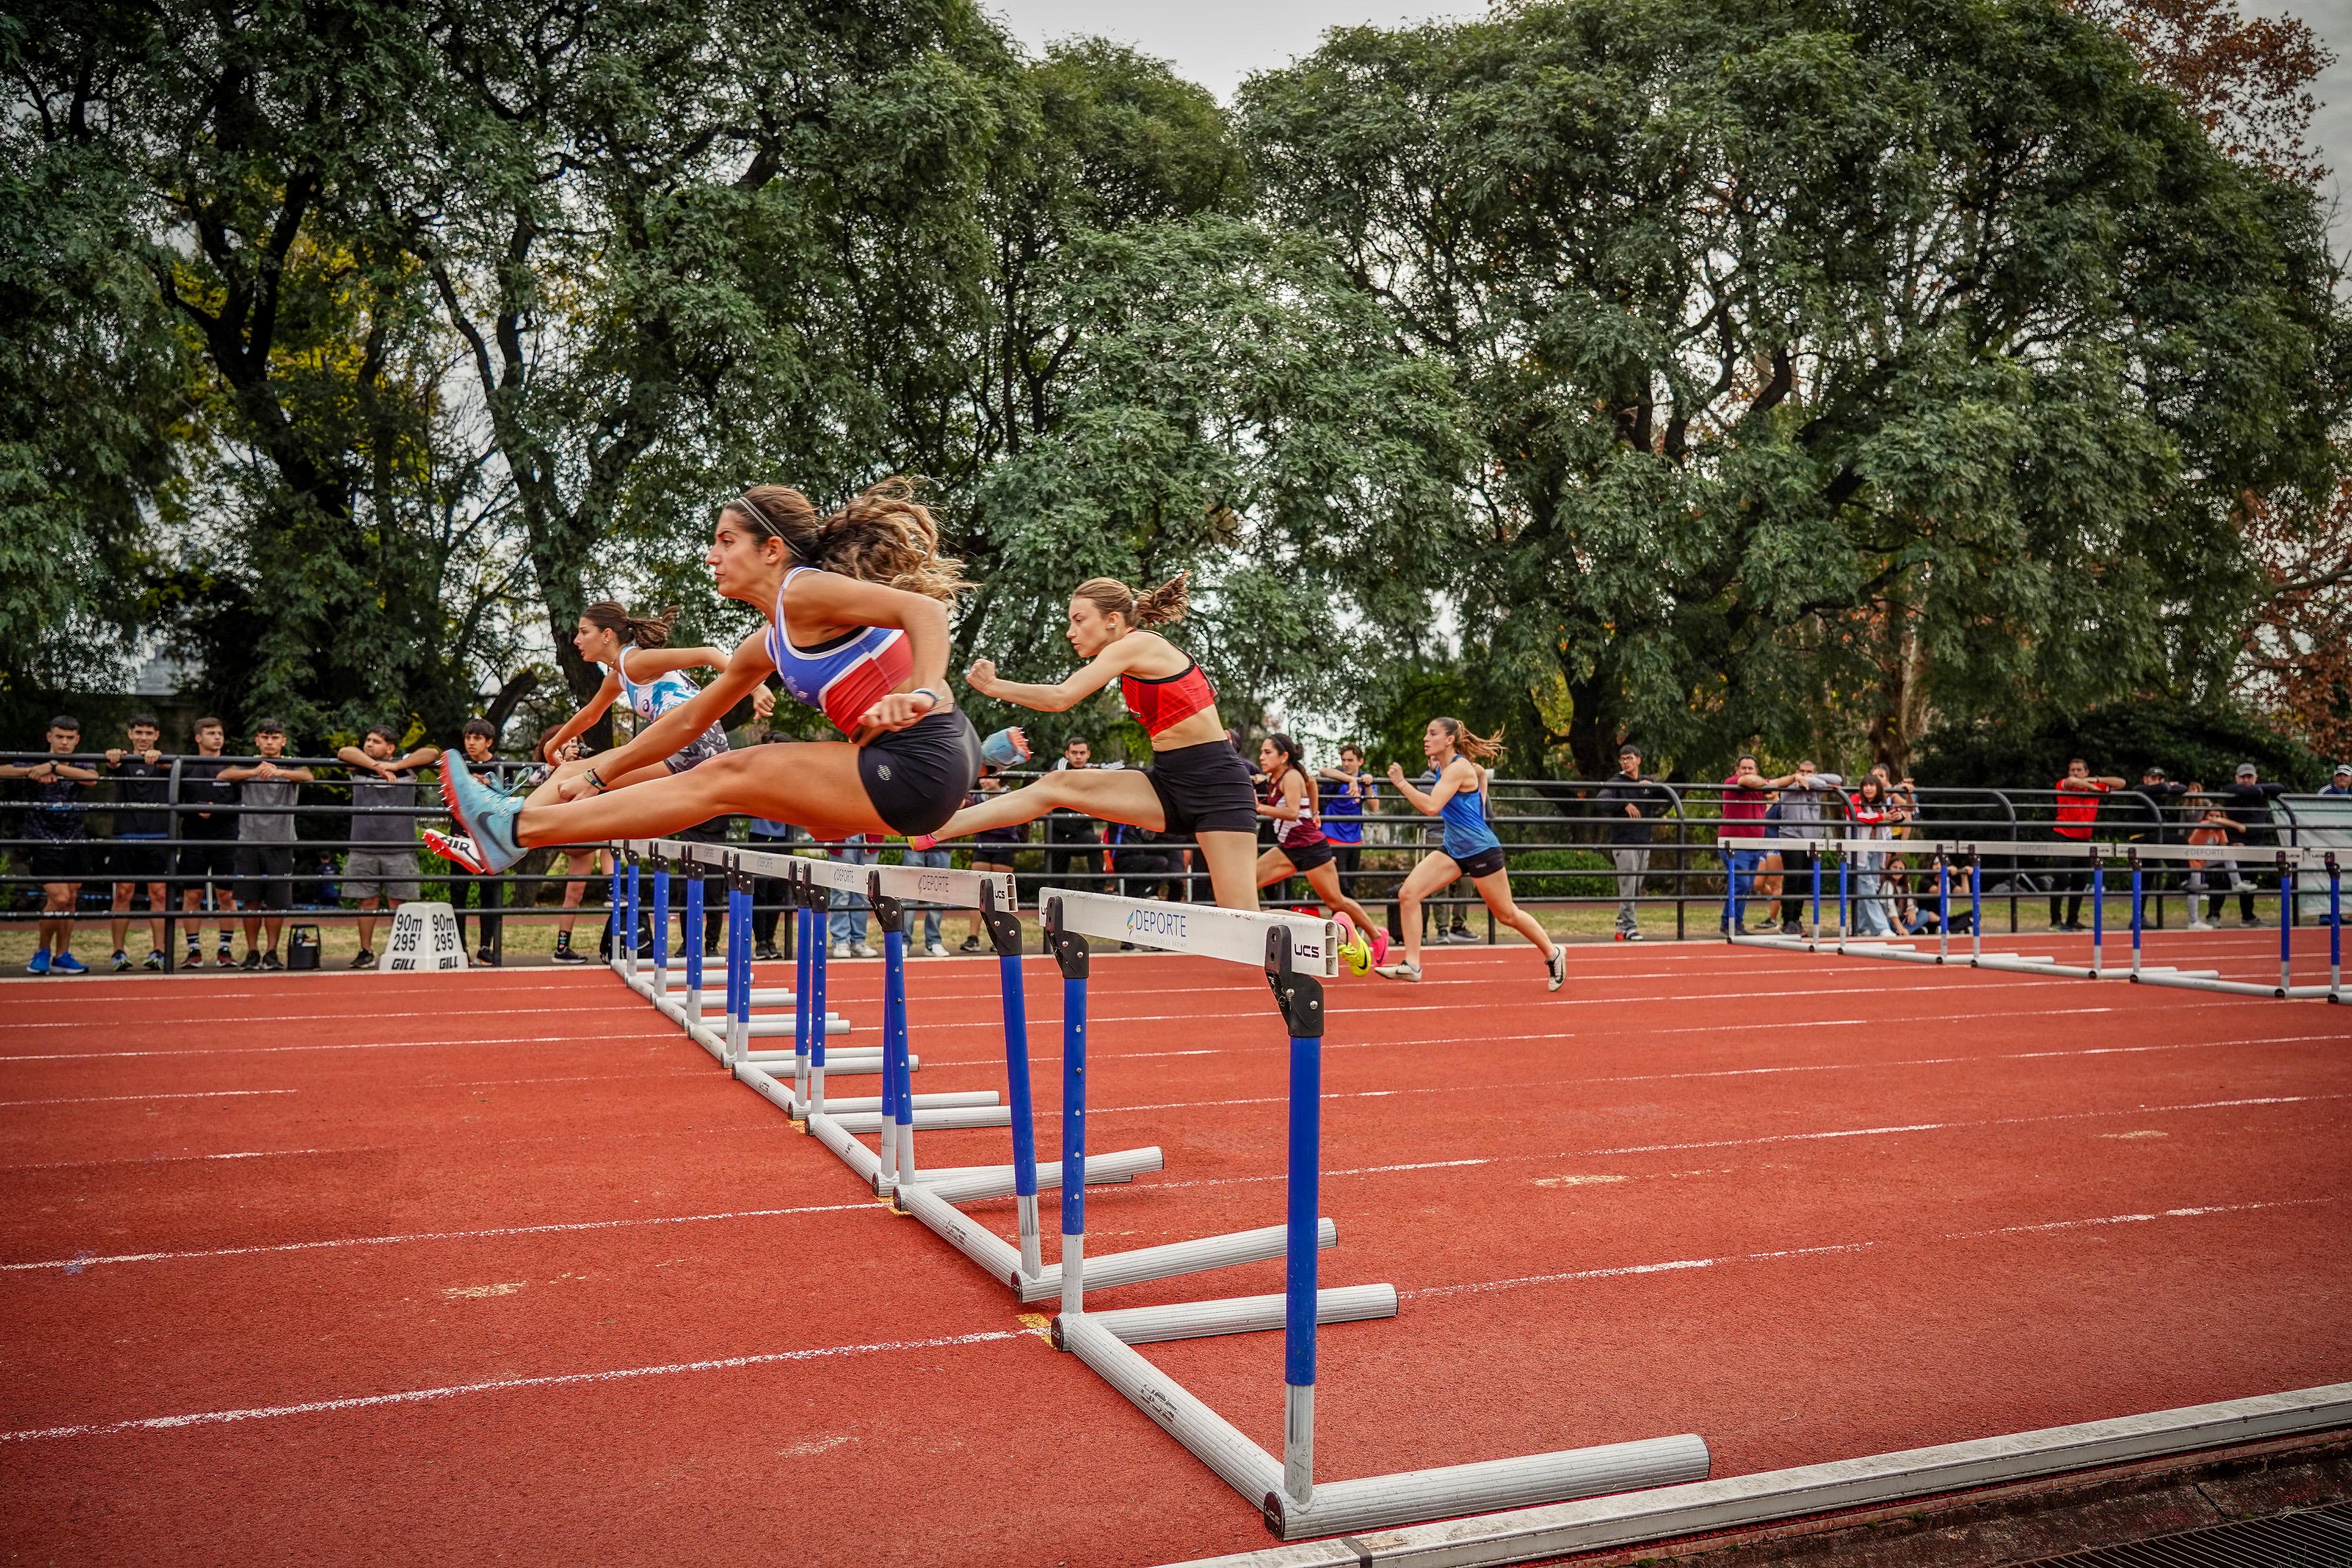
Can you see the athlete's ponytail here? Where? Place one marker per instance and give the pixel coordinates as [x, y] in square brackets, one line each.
[1157, 607]
[633, 631]
[887, 536]
[1478, 748]
[884, 536]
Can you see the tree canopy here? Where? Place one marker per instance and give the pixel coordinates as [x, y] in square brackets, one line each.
[1726, 370]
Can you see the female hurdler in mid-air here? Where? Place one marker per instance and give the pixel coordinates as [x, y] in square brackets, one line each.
[857, 628]
[1197, 784]
[641, 669]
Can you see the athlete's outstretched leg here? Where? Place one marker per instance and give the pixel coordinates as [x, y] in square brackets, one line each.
[1115, 795]
[1495, 890]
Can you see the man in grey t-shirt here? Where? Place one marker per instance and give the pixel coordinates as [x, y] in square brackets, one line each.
[382, 866]
[1801, 818]
[265, 841]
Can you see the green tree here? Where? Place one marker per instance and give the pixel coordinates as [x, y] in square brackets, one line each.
[1832, 367]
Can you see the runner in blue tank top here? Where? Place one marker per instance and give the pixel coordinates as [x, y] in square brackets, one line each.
[1458, 799]
[641, 669]
[857, 627]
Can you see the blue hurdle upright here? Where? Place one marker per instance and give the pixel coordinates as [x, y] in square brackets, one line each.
[1295, 955]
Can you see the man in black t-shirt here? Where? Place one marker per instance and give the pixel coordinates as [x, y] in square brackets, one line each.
[208, 847]
[2247, 804]
[57, 851]
[142, 826]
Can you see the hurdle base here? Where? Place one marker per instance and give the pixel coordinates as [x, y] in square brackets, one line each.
[1138, 1264]
[1375, 1502]
[971, 1184]
[828, 1132]
[926, 1121]
[1237, 1314]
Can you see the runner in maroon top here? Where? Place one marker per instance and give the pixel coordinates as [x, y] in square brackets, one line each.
[1300, 849]
[1197, 785]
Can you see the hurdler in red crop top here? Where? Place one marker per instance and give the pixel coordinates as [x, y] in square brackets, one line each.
[1162, 704]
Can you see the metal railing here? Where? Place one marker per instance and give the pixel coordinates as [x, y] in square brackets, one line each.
[1558, 836]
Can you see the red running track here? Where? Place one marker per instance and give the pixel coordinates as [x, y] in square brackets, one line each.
[500, 1267]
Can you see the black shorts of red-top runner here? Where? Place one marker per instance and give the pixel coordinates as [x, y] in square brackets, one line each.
[917, 776]
[1203, 789]
[1484, 864]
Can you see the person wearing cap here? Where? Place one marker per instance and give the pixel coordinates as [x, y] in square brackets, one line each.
[2342, 783]
[2150, 812]
[1627, 800]
[2247, 804]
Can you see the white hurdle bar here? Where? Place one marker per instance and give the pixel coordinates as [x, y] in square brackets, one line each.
[1296, 955]
[1971, 853]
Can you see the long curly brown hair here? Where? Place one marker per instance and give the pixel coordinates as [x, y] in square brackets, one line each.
[884, 536]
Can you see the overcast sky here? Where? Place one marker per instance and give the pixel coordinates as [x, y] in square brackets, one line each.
[1219, 42]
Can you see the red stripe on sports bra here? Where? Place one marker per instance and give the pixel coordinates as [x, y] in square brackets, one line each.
[1162, 704]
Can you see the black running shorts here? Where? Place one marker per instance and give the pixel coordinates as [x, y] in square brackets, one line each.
[1485, 862]
[1203, 789]
[917, 776]
[1304, 857]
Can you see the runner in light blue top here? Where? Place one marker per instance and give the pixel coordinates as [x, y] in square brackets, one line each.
[642, 670]
[1457, 799]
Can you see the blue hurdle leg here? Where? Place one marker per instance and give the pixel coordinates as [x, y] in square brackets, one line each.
[694, 949]
[1817, 898]
[897, 1113]
[1024, 1131]
[2286, 927]
[2098, 911]
[2335, 932]
[1976, 911]
[812, 1004]
[1073, 1143]
[738, 966]
[614, 923]
[1844, 900]
[2138, 889]
[1299, 1267]
[1943, 908]
[801, 943]
[661, 929]
[637, 910]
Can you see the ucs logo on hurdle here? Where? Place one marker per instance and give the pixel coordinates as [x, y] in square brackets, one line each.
[423, 937]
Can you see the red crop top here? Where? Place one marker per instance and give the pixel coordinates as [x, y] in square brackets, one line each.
[1161, 705]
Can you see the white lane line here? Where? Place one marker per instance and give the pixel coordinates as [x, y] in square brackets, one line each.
[191, 1159]
[649, 1038]
[1772, 1139]
[1621, 1035]
[75, 1265]
[614, 1003]
[1673, 1265]
[186, 1095]
[756, 1127]
[503, 1384]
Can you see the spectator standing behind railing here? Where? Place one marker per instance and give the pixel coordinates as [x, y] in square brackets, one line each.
[1744, 803]
[265, 841]
[59, 855]
[2247, 804]
[208, 842]
[2152, 811]
[382, 866]
[2078, 814]
[1064, 826]
[1801, 794]
[1348, 793]
[1872, 815]
[2341, 784]
[487, 893]
[142, 851]
[1627, 799]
